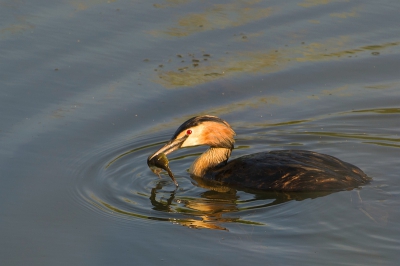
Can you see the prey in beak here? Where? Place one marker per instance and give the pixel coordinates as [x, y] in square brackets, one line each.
[159, 160]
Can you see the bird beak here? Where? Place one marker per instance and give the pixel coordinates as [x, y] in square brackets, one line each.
[171, 146]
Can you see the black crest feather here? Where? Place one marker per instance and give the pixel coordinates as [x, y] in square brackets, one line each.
[195, 121]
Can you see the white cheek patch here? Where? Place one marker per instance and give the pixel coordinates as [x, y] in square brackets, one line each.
[194, 139]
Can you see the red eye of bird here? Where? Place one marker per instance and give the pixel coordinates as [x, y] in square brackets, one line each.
[189, 132]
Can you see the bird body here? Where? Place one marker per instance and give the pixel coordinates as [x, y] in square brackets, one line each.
[288, 170]
[282, 170]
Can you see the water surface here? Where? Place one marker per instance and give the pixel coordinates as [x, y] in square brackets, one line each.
[90, 88]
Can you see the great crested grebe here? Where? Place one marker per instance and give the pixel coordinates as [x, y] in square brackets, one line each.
[281, 170]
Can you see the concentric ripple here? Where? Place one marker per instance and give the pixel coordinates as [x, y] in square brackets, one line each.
[114, 180]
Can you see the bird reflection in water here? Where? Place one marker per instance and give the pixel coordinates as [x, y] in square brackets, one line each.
[218, 204]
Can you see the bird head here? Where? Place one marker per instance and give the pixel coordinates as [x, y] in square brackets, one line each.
[200, 130]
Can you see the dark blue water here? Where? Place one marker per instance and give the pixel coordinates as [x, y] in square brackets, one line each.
[90, 88]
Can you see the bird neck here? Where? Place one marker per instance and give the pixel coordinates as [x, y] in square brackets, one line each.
[209, 159]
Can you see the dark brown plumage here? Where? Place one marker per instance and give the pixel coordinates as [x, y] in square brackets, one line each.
[289, 170]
